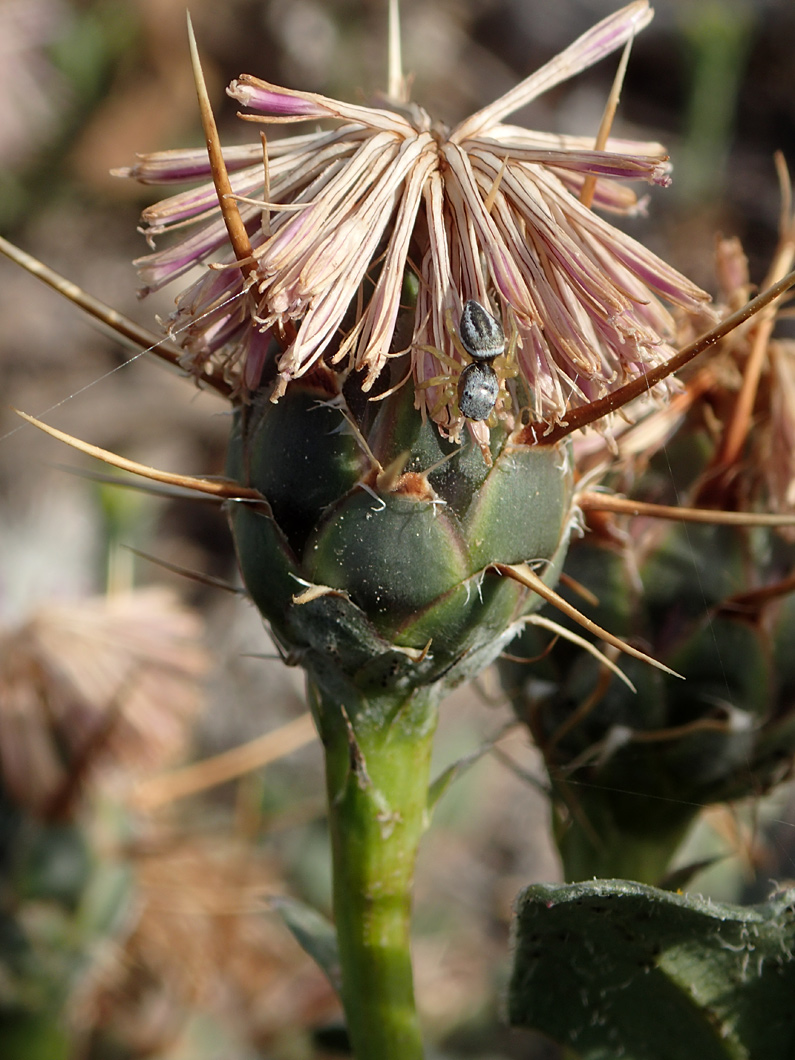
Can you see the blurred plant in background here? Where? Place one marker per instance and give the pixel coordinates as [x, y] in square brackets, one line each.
[632, 769]
[92, 694]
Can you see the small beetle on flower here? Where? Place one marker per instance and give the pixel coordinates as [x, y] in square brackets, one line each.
[483, 339]
[477, 384]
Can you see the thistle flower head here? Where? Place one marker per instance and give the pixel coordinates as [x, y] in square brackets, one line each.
[340, 219]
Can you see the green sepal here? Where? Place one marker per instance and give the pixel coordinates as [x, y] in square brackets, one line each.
[454, 471]
[347, 657]
[478, 609]
[299, 453]
[403, 600]
[459, 478]
[397, 428]
[726, 667]
[694, 568]
[270, 572]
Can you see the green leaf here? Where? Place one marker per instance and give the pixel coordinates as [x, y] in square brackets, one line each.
[313, 933]
[612, 968]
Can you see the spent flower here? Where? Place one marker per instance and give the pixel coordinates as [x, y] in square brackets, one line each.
[101, 688]
[486, 211]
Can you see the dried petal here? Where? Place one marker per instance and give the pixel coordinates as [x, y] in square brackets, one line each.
[486, 212]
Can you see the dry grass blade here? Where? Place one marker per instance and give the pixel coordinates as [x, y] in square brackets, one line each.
[200, 776]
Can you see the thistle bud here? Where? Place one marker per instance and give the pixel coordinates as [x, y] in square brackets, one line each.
[631, 770]
[380, 577]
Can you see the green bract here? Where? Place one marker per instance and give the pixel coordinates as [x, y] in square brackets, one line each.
[370, 555]
[405, 596]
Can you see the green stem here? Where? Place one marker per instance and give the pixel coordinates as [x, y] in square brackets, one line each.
[377, 771]
[599, 842]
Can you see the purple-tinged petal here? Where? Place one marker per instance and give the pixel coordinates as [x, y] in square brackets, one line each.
[271, 99]
[179, 166]
[194, 204]
[608, 196]
[518, 136]
[156, 270]
[257, 353]
[289, 105]
[591, 163]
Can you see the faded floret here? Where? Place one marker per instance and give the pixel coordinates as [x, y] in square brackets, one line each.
[338, 219]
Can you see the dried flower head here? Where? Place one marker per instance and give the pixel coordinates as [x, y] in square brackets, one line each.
[199, 942]
[337, 220]
[741, 402]
[110, 680]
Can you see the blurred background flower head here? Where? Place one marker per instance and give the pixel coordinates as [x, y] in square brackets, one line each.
[104, 688]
